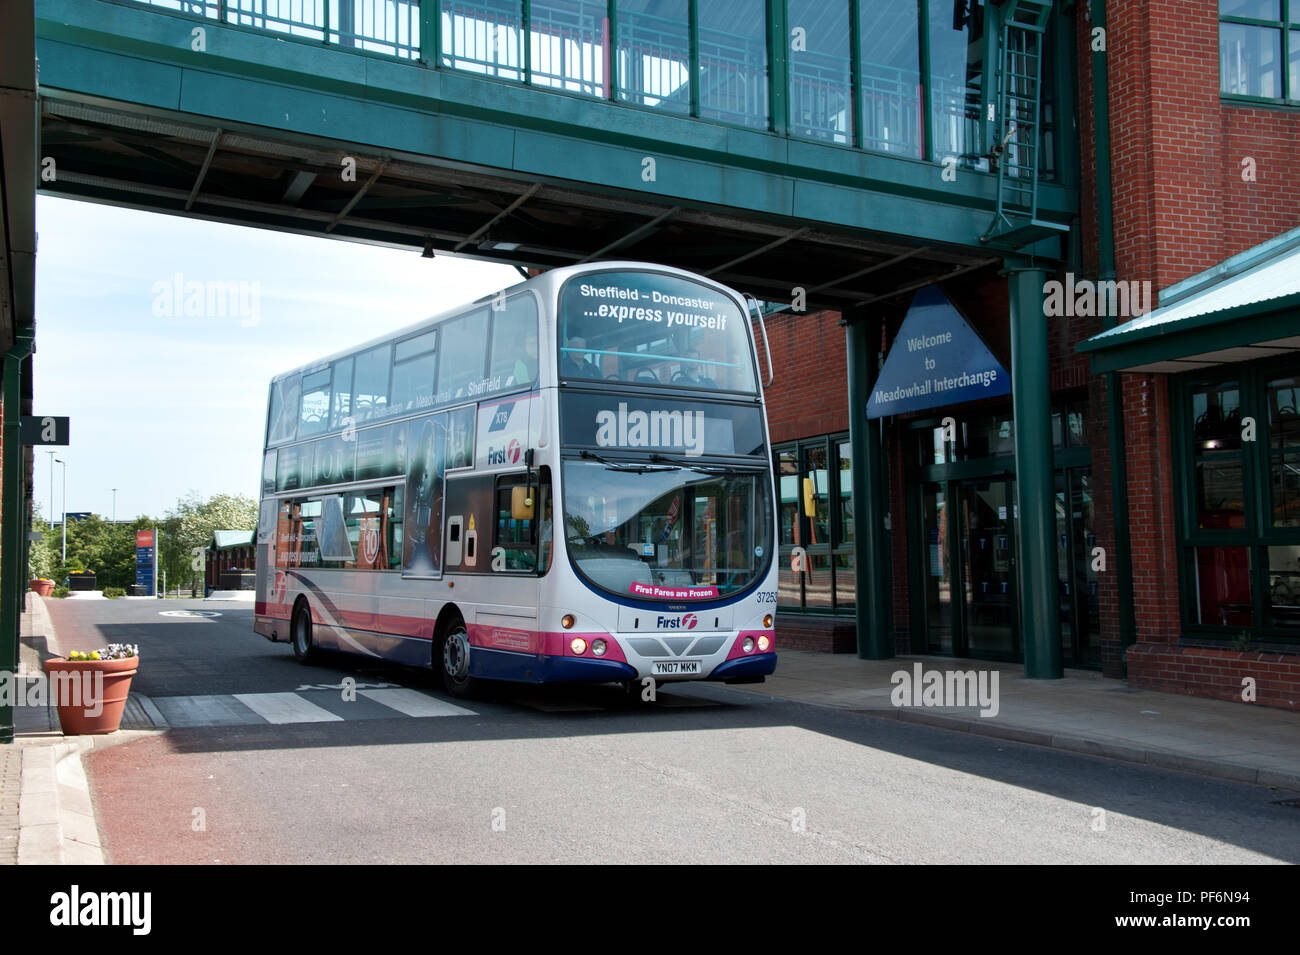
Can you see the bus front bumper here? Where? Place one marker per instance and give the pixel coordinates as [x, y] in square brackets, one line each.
[493, 664]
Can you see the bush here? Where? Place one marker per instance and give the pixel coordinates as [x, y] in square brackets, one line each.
[112, 593]
[60, 592]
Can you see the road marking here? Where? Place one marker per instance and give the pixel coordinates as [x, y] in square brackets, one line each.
[414, 703]
[186, 711]
[258, 709]
[286, 708]
[188, 613]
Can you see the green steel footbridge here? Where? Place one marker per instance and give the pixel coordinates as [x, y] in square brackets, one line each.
[827, 153]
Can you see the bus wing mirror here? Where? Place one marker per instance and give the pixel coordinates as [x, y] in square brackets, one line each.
[521, 503]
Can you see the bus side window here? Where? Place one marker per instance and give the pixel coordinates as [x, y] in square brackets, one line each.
[545, 520]
[342, 393]
[463, 354]
[285, 397]
[414, 361]
[370, 388]
[393, 525]
[514, 341]
[315, 416]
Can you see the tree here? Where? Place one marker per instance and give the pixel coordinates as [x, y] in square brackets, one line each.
[109, 549]
[42, 555]
[189, 527]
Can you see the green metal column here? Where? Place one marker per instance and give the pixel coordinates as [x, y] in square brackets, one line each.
[857, 110]
[693, 53]
[1121, 560]
[13, 521]
[1031, 399]
[927, 134]
[862, 338]
[778, 71]
[430, 32]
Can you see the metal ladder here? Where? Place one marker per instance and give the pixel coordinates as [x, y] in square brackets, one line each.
[1017, 144]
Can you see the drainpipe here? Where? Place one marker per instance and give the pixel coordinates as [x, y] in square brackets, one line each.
[1122, 559]
[13, 522]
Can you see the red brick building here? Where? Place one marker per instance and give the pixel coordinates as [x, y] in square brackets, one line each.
[1196, 191]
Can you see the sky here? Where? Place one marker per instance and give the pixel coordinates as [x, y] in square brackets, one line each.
[167, 389]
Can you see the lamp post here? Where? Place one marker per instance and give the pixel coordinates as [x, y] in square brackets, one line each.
[114, 505]
[49, 518]
[65, 508]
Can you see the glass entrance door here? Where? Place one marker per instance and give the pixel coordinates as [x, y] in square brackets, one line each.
[1075, 539]
[988, 592]
[963, 540]
[938, 575]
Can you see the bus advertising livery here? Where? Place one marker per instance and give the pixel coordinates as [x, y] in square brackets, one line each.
[566, 481]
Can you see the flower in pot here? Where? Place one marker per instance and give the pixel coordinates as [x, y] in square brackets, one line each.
[89, 689]
[41, 586]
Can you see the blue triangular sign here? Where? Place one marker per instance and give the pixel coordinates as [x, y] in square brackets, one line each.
[936, 359]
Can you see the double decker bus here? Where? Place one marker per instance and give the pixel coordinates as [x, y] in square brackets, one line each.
[568, 480]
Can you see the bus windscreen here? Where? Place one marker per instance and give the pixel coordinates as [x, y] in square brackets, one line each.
[653, 328]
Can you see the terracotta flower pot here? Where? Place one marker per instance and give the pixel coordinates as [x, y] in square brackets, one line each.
[87, 706]
[41, 587]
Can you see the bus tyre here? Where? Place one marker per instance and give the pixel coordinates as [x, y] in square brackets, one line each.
[300, 634]
[454, 662]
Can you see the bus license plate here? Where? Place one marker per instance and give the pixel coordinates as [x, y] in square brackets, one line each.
[676, 667]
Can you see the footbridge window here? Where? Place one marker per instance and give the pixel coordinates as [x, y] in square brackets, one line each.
[909, 77]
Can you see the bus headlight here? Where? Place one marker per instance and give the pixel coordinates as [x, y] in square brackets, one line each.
[567, 621]
[598, 647]
[578, 645]
[748, 645]
[767, 622]
[763, 643]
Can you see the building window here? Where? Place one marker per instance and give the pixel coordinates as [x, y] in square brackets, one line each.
[980, 434]
[1259, 49]
[821, 105]
[815, 493]
[957, 79]
[1238, 441]
[733, 73]
[1283, 397]
[568, 41]
[654, 54]
[484, 36]
[890, 86]
[861, 86]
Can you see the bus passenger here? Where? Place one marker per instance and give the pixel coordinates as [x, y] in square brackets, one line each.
[526, 368]
[576, 364]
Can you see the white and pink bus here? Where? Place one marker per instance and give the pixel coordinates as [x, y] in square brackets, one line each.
[566, 481]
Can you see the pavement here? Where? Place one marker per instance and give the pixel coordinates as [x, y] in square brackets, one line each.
[47, 809]
[47, 814]
[1084, 712]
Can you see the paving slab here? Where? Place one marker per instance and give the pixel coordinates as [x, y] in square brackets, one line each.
[1083, 712]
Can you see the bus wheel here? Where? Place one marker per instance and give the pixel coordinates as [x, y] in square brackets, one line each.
[453, 660]
[300, 633]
